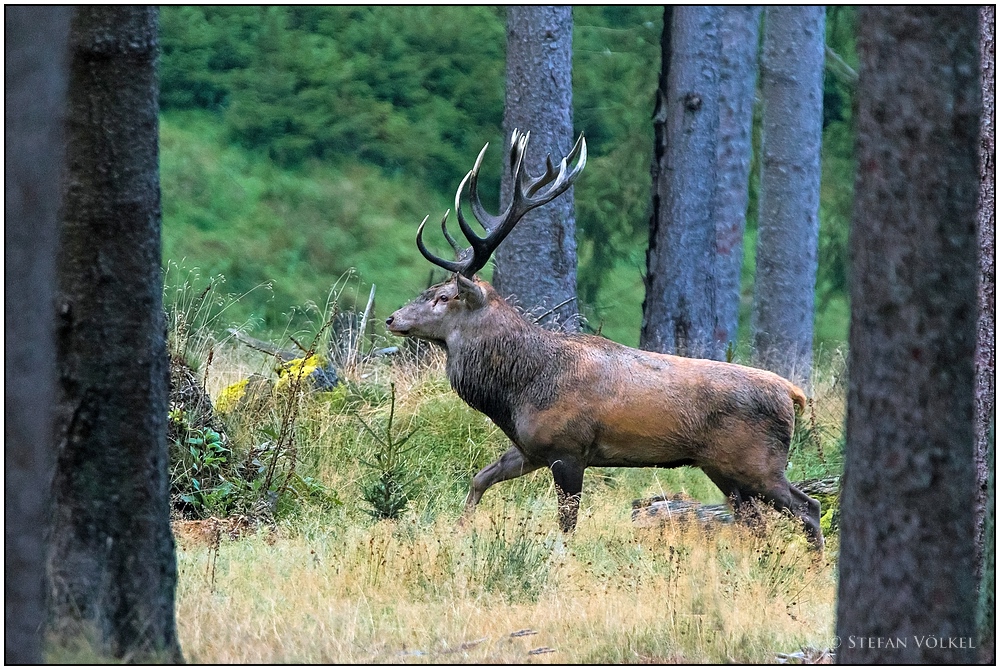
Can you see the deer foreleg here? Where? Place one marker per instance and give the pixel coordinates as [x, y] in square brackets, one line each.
[568, 476]
[511, 465]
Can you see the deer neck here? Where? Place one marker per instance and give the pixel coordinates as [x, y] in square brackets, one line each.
[499, 365]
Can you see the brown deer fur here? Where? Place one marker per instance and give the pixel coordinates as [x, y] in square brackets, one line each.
[569, 401]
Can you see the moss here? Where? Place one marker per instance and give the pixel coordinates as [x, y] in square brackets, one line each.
[229, 397]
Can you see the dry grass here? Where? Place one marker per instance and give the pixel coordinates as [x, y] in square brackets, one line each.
[333, 591]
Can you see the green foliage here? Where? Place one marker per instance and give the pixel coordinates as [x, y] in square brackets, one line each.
[198, 460]
[245, 465]
[301, 142]
[417, 89]
[388, 493]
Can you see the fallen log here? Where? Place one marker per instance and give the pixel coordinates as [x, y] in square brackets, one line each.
[662, 508]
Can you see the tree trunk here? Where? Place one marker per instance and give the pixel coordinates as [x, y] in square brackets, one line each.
[679, 308]
[35, 92]
[907, 522]
[791, 82]
[986, 335]
[537, 262]
[737, 86]
[986, 338]
[112, 572]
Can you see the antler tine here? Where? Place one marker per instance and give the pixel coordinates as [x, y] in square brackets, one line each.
[450, 266]
[485, 219]
[536, 184]
[447, 236]
[562, 179]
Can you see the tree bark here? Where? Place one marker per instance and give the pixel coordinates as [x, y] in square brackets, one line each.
[679, 308]
[35, 93]
[740, 37]
[907, 522]
[112, 572]
[986, 222]
[986, 338]
[791, 82]
[536, 264]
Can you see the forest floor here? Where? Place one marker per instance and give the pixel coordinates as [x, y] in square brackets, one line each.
[509, 589]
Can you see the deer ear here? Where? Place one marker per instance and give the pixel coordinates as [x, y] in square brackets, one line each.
[469, 291]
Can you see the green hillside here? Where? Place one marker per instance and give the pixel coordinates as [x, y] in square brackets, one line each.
[301, 143]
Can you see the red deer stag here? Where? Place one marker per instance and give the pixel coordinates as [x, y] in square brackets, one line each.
[569, 401]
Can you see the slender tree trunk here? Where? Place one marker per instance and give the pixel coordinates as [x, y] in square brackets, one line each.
[986, 337]
[737, 86]
[680, 305]
[112, 572]
[35, 95]
[907, 522]
[537, 262]
[791, 82]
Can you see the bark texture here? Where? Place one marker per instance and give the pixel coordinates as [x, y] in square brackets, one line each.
[986, 332]
[740, 37]
[112, 572]
[907, 522]
[536, 264]
[678, 313]
[986, 339]
[791, 82]
[35, 95]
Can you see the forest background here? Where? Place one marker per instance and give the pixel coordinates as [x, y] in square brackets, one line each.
[298, 143]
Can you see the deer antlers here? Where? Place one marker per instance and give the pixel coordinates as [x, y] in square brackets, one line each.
[528, 194]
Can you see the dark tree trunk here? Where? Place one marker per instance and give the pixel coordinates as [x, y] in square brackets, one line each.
[791, 83]
[537, 262]
[740, 37]
[986, 334]
[986, 338]
[678, 313]
[907, 522]
[112, 572]
[35, 96]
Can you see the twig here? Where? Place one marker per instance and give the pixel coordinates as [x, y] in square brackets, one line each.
[263, 347]
[562, 304]
[845, 71]
[352, 359]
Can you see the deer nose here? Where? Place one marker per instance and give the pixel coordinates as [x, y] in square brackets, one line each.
[388, 321]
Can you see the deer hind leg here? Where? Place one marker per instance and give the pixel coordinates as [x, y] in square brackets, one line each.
[511, 465]
[741, 500]
[786, 498]
[809, 512]
[568, 476]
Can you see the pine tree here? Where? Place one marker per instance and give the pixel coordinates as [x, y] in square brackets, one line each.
[537, 262]
[112, 571]
[680, 306]
[907, 566]
[791, 83]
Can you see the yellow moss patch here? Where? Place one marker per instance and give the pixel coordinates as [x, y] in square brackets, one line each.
[230, 396]
[297, 369]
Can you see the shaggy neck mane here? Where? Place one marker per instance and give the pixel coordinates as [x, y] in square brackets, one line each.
[503, 362]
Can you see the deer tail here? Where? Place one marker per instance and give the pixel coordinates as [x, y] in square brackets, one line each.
[798, 398]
